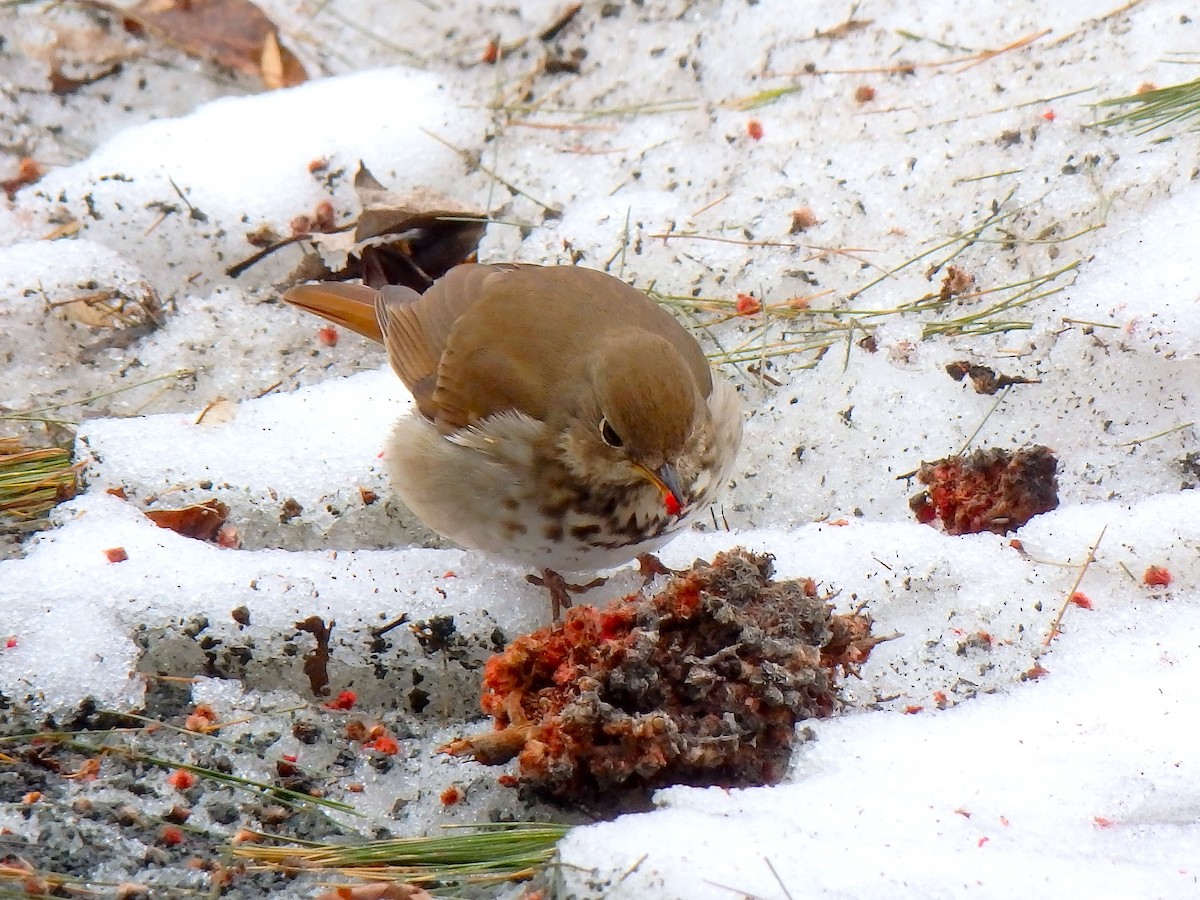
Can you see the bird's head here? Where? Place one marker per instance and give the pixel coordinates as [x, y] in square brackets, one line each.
[639, 418]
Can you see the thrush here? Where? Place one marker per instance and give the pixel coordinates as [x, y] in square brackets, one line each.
[563, 420]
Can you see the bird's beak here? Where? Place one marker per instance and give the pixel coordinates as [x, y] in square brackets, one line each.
[666, 479]
[349, 305]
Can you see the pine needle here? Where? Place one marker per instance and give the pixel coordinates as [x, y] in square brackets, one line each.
[487, 854]
[33, 482]
[1054, 626]
[1153, 109]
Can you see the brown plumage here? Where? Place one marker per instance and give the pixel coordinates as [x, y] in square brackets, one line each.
[563, 419]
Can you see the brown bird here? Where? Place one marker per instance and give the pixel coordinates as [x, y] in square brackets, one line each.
[564, 421]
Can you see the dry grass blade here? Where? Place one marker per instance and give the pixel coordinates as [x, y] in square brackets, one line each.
[1062, 611]
[998, 214]
[280, 794]
[32, 482]
[763, 98]
[99, 743]
[662, 107]
[794, 327]
[1183, 426]
[32, 415]
[962, 62]
[1156, 108]
[20, 880]
[988, 320]
[485, 855]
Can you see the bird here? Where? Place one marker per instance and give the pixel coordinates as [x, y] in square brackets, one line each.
[562, 419]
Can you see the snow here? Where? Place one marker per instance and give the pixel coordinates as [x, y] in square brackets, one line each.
[1075, 783]
[972, 758]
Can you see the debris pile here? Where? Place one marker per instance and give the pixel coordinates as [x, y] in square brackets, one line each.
[989, 490]
[700, 684]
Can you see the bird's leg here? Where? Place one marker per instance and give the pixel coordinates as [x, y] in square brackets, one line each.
[560, 589]
[650, 567]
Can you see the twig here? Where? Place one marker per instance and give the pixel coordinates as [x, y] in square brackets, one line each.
[966, 237]
[193, 213]
[973, 60]
[551, 31]
[1075, 587]
[1153, 437]
[636, 865]
[707, 206]
[988, 55]
[782, 886]
[91, 398]
[973, 178]
[238, 268]
[692, 236]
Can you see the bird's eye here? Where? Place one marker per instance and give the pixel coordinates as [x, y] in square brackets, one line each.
[609, 436]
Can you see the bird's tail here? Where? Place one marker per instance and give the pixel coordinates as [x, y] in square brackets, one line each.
[349, 305]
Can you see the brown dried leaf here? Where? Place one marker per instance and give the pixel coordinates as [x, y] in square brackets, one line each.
[63, 85]
[399, 238]
[232, 33]
[410, 239]
[802, 220]
[316, 664]
[418, 237]
[278, 65]
[29, 171]
[846, 28]
[955, 283]
[201, 521]
[985, 380]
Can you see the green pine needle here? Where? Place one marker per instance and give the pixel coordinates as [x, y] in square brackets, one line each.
[1157, 108]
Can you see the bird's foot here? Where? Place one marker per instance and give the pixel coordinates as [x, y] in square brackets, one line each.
[650, 567]
[560, 589]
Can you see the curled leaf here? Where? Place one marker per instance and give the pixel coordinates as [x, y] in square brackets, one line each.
[201, 521]
[412, 238]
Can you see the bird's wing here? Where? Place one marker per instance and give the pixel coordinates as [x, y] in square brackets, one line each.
[416, 328]
[522, 336]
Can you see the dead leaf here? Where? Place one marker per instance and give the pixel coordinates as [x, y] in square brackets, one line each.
[316, 664]
[848, 27]
[231, 33]
[278, 66]
[78, 52]
[201, 521]
[28, 172]
[66, 229]
[411, 239]
[984, 379]
[955, 283]
[112, 308]
[63, 85]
